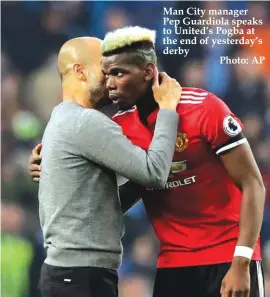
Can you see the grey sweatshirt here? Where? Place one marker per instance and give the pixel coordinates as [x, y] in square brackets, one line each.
[79, 206]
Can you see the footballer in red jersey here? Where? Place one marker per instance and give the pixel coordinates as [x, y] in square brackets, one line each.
[209, 215]
[196, 216]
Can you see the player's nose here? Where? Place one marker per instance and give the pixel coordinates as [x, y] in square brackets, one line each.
[110, 84]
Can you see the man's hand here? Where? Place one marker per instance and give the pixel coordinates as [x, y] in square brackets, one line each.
[168, 93]
[236, 282]
[34, 166]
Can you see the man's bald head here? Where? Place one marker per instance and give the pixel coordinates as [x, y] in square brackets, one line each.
[79, 66]
[79, 51]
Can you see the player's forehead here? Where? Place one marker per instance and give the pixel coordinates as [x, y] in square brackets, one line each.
[121, 60]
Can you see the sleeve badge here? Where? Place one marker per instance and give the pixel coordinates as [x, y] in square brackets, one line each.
[230, 126]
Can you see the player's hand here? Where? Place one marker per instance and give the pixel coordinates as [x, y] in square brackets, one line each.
[167, 93]
[34, 166]
[236, 282]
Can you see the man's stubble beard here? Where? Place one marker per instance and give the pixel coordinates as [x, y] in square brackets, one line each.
[99, 94]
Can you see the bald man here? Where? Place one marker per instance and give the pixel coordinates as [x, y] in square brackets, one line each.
[82, 150]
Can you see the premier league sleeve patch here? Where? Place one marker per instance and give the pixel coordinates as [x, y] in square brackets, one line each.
[231, 126]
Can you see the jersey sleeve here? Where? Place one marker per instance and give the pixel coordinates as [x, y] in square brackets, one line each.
[221, 128]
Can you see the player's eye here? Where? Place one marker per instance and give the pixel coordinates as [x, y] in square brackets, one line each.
[119, 74]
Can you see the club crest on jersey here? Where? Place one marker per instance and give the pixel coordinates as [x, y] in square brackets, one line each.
[181, 142]
[231, 126]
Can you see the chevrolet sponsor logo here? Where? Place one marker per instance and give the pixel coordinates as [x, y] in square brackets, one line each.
[177, 183]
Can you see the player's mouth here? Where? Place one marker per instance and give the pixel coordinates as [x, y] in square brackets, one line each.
[115, 98]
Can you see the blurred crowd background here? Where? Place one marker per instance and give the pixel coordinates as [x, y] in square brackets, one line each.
[32, 34]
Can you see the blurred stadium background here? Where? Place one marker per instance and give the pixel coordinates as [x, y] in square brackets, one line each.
[32, 34]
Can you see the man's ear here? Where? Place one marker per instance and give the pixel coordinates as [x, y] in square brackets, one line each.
[79, 71]
[149, 71]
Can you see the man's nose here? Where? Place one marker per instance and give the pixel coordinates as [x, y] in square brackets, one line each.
[110, 84]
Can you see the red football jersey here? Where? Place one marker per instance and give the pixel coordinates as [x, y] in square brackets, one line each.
[196, 217]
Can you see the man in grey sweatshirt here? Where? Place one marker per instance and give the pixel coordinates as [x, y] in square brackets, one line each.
[82, 150]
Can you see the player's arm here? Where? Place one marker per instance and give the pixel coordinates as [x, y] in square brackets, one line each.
[130, 193]
[224, 133]
[242, 168]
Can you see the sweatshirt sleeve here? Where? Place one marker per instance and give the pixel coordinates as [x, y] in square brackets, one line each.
[102, 141]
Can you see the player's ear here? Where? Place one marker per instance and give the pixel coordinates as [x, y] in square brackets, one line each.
[149, 71]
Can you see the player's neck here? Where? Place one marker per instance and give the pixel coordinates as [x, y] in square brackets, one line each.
[146, 106]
